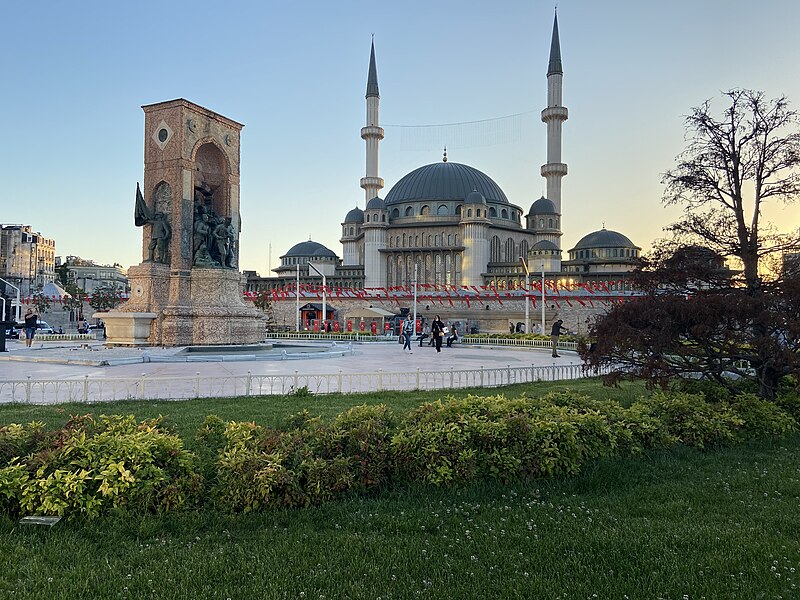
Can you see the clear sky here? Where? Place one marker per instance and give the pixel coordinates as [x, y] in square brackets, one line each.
[74, 76]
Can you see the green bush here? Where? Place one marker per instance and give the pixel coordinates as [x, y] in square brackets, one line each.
[760, 417]
[309, 463]
[692, 420]
[789, 401]
[93, 465]
[457, 441]
[19, 440]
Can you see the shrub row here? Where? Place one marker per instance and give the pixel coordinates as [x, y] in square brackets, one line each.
[95, 465]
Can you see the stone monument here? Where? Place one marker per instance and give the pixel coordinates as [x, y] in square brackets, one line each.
[187, 290]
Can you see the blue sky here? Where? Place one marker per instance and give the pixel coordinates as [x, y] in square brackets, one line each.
[75, 76]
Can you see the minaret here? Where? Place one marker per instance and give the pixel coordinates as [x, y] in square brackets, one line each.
[554, 115]
[372, 134]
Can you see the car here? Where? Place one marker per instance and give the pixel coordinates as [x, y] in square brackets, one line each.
[44, 327]
[12, 333]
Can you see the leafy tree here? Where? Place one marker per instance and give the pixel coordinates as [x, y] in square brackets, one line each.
[62, 272]
[41, 302]
[699, 317]
[105, 298]
[74, 302]
[263, 302]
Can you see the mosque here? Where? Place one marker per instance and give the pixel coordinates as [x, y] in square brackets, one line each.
[452, 225]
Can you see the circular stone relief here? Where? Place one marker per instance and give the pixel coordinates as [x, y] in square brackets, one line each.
[163, 134]
[139, 291]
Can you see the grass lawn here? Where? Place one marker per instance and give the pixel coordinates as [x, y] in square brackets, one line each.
[685, 524]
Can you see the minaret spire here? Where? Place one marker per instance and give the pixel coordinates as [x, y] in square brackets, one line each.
[553, 116]
[372, 134]
[555, 51]
[372, 77]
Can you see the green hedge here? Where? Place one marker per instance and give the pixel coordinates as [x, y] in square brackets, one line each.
[95, 465]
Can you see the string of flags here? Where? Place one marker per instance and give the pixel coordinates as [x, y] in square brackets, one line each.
[583, 294]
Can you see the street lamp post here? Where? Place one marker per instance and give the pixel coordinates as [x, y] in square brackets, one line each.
[324, 298]
[527, 300]
[543, 302]
[415, 297]
[297, 301]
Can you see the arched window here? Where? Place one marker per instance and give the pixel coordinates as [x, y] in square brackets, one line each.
[395, 213]
[367, 217]
[442, 210]
[425, 210]
[436, 240]
[523, 248]
[458, 210]
[504, 213]
[391, 242]
[541, 223]
[510, 254]
[351, 231]
[492, 212]
[477, 212]
[469, 212]
[455, 239]
[416, 241]
[430, 240]
[449, 240]
[404, 240]
[409, 211]
[494, 249]
[383, 218]
[448, 269]
[550, 223]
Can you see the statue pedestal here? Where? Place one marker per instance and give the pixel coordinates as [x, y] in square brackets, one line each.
[184, 308]
[127, 328]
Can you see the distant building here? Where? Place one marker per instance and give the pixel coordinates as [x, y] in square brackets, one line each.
[90, 277]
[449, 224]
[27, 258]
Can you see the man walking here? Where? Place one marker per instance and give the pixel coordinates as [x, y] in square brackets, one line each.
[554, 334]
[408, 330]
[31, 323]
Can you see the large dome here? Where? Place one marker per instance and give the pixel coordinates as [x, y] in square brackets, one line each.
[444, 181]
[605, 238]
[309, 248]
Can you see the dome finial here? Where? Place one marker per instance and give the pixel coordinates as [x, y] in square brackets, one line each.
[604, 224]
[444, 158]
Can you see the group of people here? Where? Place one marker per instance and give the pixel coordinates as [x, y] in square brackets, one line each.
[436, 331]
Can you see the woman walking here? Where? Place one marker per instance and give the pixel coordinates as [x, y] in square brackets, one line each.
[437, 331]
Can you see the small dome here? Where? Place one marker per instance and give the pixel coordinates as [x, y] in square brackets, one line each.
[356, 215]
[544, 245]
[309, 248]
[376, 203]
[605, 238]
[475, 197]
[543, 206]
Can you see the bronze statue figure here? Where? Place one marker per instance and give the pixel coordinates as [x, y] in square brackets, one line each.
[160, 230]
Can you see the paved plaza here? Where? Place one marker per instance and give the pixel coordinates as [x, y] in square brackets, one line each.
[66, 371]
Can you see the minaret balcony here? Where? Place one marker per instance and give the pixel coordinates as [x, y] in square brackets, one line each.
[372, 182]
[372, 131]
[554, 169]
[551, 113]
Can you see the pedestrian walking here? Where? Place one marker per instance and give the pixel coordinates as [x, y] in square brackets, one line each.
[408, 331]
[556, 331]
[31, 323]
[437, 331]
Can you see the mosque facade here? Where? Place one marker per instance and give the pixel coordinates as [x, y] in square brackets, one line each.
[449, 224]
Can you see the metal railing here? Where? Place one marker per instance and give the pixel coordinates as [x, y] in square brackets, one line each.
[468, 340]
[88, 389]
[516, 342]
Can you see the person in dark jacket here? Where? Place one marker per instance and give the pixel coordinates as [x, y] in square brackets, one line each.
[31, 323]
[557, 330]
[437, 331]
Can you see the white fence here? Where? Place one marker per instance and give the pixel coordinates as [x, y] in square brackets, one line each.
[52, 391]
[469, 340]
